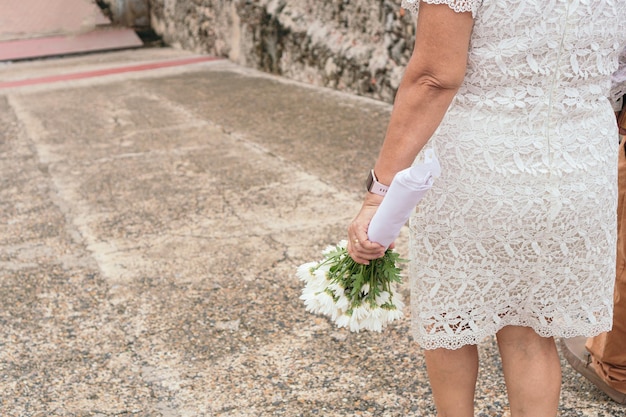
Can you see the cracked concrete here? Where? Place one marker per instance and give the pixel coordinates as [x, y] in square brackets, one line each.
[150, 227]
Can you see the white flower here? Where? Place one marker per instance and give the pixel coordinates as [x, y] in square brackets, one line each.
[360, 312]
[373, 323]
[343, 320]
[394, 314]
[304, 271]
[365, 289]
[341, 245]
[343, 303]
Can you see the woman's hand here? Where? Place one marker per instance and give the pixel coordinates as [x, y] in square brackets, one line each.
[360, 248]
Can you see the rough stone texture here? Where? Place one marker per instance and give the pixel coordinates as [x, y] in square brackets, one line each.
[130, 13]
[358, 46]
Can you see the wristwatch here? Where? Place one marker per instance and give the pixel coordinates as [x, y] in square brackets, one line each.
[373, 186]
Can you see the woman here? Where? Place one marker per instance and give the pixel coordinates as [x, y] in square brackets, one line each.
[517, 237]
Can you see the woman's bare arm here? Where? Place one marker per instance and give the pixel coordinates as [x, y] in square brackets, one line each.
[433, 76]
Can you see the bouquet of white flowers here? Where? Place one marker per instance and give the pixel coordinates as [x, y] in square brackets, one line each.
[363, 297]
[353, 295]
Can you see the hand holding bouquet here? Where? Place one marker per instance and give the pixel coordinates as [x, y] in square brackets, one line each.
[363, 297]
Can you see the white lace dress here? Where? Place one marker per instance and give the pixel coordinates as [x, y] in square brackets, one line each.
[520, 229]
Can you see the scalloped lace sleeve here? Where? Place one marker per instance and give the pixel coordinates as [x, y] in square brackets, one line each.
[456, 5]
[618, 85]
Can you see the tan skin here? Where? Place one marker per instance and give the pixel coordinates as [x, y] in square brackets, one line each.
[433, 76]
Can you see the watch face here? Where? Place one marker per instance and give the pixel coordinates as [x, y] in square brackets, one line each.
[370, 181]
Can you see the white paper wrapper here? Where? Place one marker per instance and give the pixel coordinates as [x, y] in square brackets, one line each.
[406, 190]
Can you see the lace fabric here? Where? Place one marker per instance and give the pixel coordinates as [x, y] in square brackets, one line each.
[520, 229]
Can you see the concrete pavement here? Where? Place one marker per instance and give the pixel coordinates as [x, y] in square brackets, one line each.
[150, 226]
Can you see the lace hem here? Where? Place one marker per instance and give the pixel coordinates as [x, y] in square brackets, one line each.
[430, 342]
[456, 5]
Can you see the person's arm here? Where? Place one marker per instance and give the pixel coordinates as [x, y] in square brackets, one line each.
[433, 76]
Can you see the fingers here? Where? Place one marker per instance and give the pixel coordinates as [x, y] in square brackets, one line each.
[356, 254]
[364, 251]
[361, 249]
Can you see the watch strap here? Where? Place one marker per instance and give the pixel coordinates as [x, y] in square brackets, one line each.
[373, 186]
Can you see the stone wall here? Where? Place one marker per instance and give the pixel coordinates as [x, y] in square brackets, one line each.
[130, 13]
[359, 46]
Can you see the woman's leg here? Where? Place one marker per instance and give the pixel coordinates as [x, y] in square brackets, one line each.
[532, 372]
[452, 375]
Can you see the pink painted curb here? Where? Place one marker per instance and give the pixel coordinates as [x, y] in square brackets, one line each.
[107, 71]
